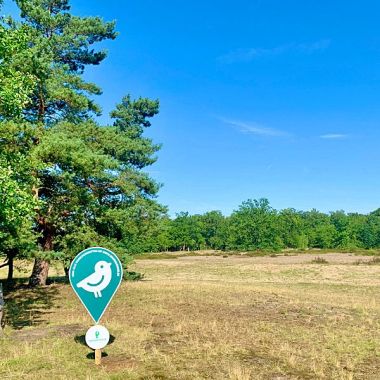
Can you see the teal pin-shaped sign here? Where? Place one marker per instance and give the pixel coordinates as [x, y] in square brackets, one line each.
[95, 275]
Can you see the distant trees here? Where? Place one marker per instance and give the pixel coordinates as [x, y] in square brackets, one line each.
[291, 231]
[370, 230]
[255, 225]
[214, 228]
[319, 229]
[186, 232]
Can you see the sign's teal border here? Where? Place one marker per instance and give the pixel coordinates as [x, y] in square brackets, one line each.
[121, 278]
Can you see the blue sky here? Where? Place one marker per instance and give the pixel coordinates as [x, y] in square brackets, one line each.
[275, 99]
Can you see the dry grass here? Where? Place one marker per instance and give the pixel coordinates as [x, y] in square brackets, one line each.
[235, 318]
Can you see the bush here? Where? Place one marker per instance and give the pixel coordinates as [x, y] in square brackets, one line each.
[132, 276]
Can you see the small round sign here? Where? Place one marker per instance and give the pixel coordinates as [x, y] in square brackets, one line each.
[97, 337]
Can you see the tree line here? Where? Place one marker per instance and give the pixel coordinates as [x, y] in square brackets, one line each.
[255, 225]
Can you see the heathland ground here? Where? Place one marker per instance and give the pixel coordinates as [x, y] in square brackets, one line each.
[207, 317]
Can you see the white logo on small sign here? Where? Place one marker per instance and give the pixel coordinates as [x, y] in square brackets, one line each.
[97, 337]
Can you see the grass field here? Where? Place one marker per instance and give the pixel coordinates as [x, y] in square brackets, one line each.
[208, 317]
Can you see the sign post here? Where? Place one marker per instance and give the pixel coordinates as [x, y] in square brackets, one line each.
[97, 337]
[95, 275]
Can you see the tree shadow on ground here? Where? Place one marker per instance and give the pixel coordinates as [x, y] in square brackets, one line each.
[91, 355]
[58, 280]
[26, 306]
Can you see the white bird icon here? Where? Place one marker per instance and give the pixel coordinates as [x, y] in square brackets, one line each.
[97, 281]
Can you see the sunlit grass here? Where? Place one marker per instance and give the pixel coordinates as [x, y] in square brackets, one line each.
[208, 317]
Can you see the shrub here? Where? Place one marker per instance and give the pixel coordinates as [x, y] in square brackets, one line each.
[132, 276]
[319, 260]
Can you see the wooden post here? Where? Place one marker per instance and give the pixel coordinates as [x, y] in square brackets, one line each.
[98, 357]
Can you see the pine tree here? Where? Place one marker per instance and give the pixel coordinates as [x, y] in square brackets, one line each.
[86, 178]
[93, 180]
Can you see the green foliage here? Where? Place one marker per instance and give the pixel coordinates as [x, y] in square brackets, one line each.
[61, 47]
[15, 201]
[186, 232]
[257, 227]
[92, 185]
[16, 81]
[213, 229]
[132, 276]
[370, 230]
[16, 211]
[290, 229]
[86, 178]
[254, 226]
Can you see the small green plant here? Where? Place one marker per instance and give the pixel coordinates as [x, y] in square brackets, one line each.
[133, 276]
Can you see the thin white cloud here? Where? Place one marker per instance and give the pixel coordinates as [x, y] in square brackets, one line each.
[255, 129]
[313, 46]
[333, 136]
[247, 55]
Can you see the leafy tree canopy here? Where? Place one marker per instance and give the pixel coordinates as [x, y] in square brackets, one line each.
[85, 178]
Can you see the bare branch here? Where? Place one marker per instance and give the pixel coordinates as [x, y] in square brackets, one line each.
[4, 264]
